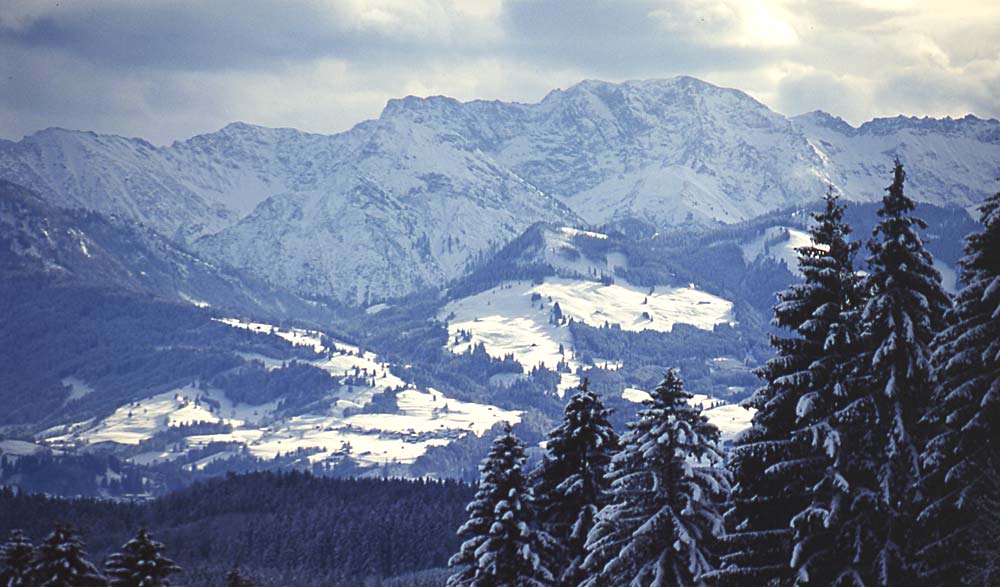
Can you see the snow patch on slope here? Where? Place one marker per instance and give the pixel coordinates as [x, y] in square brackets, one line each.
[779, 243]
[506, 320]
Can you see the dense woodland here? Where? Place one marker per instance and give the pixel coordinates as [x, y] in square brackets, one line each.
[280, 529]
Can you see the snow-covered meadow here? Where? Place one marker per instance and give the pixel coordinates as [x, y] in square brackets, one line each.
[426, 417]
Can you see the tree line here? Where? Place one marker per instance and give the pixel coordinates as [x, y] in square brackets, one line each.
[871, 460]
[280, 528]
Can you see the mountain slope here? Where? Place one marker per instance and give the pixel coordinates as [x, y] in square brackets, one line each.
[947, 161]
[85, 247]
[408, 210]
[407, 200]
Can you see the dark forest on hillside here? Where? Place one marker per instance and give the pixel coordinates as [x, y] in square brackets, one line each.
[281, 529]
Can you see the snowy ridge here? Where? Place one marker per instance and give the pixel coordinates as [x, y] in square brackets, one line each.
[405, 201]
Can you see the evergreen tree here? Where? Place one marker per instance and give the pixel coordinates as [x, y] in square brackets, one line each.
[15, 556]
[570, 482]
[778, 464]
[60, 561]
[140, 564]
[665, 485]
[832, 294]
[963, 457]
[501, 549]
[236, 578]
[882, 436]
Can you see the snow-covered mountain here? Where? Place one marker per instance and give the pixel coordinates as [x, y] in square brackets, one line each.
[408, 199]
[397, 207]
[85, 247]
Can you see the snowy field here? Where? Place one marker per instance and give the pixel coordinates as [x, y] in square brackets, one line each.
[507, 320]
[562, 254]
[425, 418]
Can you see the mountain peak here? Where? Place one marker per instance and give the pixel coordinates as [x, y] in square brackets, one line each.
[413, 103]
[819, 118]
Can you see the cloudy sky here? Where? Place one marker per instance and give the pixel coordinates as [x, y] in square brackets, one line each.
[169, 69]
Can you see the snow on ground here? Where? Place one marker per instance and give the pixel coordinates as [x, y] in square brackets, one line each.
[77, 387]
[427, 411]
[782, 250]
[296, 336]
[635, 395]
[425, 418]
[730, 419]
[567, 382]
[141, 420]
[20, 448]
[193, 301]
[563, 255]
[506, 319]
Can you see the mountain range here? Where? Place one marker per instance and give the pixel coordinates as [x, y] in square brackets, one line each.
[410, 200]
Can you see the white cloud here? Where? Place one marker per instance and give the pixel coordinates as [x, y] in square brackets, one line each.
[166, 70]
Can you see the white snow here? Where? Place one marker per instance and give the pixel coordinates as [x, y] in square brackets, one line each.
[636, 395]
[194, 302]
[730, 419]
[506, 320]
[20, 448]
[138, 421]
[77, 387]
[296, 336]
[785, 250]
[561, 254]
[425, 418]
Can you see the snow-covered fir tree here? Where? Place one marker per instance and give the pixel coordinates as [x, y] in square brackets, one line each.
[778, 463]
[882, 438]
[15, 560]
[666, 485]
[501, 547]
[962, 459]
[60, 561]
[570, 484]
[832, 295]
[140, 564]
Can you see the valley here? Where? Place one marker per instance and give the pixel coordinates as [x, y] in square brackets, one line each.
[382, 301]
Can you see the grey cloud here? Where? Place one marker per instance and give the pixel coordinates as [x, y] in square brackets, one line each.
[619, 39]
[165, 70]
[802, 93]
[190, 35]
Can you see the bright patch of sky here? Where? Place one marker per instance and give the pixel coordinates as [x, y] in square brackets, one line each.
[169, 70]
